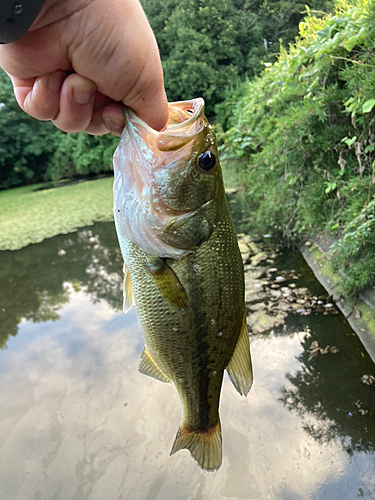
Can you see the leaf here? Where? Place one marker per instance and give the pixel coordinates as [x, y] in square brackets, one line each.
[348, 141]
[369, 148]
[368, 105]
[331, 186]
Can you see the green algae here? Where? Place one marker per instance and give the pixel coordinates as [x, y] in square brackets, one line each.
[30, 214]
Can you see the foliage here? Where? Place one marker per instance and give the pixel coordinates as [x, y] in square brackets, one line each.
[302, 135]
[264, 26]
[25, 143]
[207, 46]
[80, 154]
[198, 49]
[32, 151]
[354, 252]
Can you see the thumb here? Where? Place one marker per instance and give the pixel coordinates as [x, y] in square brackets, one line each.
[151, 107]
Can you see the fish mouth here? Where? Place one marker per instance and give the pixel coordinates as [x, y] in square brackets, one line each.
[168, 149]
[185, 123]
[182, 114]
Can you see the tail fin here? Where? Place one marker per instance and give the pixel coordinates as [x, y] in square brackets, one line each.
[205, 447]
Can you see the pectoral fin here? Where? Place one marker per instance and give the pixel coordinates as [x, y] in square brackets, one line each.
[128, 291]
[148, 366]
[239, 367]
[168, 283]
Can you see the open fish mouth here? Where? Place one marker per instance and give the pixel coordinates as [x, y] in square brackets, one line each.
[185, 123]
[143, 162]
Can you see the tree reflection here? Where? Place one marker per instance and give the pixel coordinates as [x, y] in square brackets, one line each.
[329, 388]
[34, 281]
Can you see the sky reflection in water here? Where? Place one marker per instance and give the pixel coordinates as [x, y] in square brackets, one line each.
[77, 421]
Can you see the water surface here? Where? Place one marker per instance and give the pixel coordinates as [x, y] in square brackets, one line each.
[77, 421]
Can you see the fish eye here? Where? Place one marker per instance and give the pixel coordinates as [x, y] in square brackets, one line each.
[206, 160]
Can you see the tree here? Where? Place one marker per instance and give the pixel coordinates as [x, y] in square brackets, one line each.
[263, 24]
[208, 46]
[81, 154]
[198, 48]
[25, 143]
[33, 151]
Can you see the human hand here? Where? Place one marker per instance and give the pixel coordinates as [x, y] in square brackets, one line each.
[81, 59]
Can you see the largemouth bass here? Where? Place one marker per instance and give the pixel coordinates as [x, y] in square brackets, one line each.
[183, 268]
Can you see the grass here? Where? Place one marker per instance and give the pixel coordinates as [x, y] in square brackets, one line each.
[30, 214]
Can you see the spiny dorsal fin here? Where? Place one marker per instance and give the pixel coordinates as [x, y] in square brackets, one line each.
[168, 283]
[128, 291]
[148, 366]
[239, 367]
[205, 447]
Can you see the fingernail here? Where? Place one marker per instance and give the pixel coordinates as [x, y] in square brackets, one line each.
[82, 95]
[114, 124]
[54, 82]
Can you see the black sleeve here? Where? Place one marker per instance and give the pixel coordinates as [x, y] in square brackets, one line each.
[16, 17]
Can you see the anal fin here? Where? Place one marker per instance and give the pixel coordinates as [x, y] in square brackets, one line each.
[205, 446]
[239, 367]
[148, 366]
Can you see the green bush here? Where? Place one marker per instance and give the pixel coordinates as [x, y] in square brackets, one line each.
[80, 154]
[302, 134]
[354, 252]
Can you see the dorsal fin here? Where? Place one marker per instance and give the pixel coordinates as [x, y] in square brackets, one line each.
[239, 367]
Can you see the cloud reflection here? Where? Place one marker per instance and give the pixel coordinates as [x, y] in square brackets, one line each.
[78, 422]
[87, 425]
[34, 281]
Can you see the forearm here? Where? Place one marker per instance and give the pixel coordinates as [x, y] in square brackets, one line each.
[16, 17]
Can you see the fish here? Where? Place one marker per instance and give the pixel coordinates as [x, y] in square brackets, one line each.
[183, 270]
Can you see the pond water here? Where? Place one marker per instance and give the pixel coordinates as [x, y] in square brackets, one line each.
[77, 420]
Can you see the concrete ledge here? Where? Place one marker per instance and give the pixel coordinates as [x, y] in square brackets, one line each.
[359, 312]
